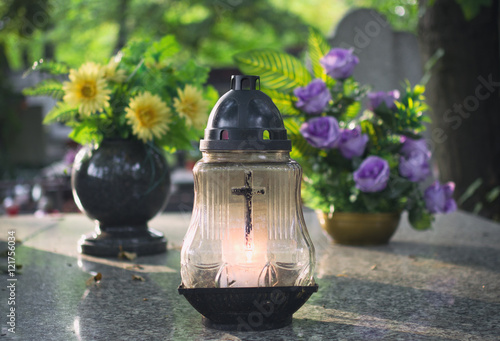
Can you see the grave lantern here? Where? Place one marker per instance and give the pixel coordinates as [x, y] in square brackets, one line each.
[247, 261]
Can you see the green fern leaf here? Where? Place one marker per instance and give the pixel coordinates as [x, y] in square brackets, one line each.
[51, 67]
[284, 102]
[277, 70]
[317, 48]
[62, 112]
[48, 87]
[84, 134]
[300, 146]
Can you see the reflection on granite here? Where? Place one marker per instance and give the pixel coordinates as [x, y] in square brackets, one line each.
[435, 285]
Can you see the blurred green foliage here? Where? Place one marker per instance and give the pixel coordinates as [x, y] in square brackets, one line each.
[73, 31]
[79, 30]
[402, 14]
[470, 8]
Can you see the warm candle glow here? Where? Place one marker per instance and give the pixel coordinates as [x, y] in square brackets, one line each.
[249, 256]
[244, 255]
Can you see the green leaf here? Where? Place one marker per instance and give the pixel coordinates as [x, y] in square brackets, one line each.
[428, 69]
[62, 112]
[398, 187]
[134, 52]
[48, 87]
[410, 103]
[51, 67]
[386, 114]
[317, 48]
[477, 208]
[167, 46]
[192, 73]
[211, 95]
[277, 70]
[175, 138]
[284, 102]
[370, 201]
[352, 111]
[83, 134]
[161, 51]
[409, 134]
[368, 127]
[493, 194]
[471, 8]
[300, 146]
[418, 90]
[420, 219]
[426, 119]
[469, 192]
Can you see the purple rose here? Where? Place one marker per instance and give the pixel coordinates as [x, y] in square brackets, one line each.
[372, 175]
[410, 145]
[321, 132]
[439, 198]
[339, 63]
[314, 97]
[415, 166]
[352, 143]
[377, 98]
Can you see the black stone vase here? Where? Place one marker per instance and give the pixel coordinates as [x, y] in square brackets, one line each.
[122, 184]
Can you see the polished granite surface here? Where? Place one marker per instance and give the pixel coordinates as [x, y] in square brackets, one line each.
[442, 284]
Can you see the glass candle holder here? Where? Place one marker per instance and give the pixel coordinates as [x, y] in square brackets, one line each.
[247, 230]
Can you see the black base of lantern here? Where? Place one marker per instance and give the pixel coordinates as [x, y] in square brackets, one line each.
[247, 309]
[109, 242]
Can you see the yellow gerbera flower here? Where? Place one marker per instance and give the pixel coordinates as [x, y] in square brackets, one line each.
[111, 73]
[148, 115]
[86, 89]
[192, 106]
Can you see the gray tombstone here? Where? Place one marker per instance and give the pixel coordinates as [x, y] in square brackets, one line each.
[386, 57]
[28, 147]
[37, 145]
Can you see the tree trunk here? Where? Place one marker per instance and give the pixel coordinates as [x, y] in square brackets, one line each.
[122, 23]
[464, 96]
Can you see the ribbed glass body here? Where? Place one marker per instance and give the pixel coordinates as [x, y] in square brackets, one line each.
[247, 227]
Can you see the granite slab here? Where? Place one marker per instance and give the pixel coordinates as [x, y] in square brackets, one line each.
[442, 284]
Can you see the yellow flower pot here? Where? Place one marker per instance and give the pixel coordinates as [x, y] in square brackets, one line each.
[350, 228]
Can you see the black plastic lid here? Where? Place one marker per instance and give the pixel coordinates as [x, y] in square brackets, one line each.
[240, 118]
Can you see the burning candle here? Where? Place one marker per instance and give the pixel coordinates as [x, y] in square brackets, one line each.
[247, 234]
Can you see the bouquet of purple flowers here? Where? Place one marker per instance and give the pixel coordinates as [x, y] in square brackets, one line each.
[354, 160]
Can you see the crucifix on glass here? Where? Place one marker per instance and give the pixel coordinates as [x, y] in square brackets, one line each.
[248, 192]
